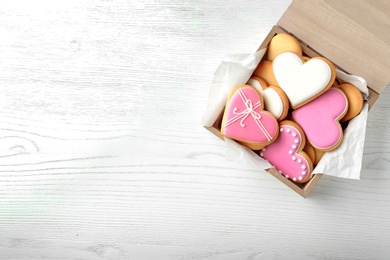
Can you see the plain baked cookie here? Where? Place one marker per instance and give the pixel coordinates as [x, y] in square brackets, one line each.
[283, 42]
[355, 101]
[318, 156]
[264, 70]
[310, 151]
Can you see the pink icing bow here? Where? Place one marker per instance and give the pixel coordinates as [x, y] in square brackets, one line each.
[250, 110]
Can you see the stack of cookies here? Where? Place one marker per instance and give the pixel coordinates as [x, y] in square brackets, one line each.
[292, 110]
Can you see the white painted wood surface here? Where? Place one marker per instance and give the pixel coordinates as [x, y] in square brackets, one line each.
[103, 155]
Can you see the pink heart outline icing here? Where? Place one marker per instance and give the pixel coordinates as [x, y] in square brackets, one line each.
[285, 154]
[319, 119]
[244, 120]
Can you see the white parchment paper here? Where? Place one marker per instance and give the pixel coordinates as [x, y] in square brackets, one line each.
[344, 162]
[233, 71]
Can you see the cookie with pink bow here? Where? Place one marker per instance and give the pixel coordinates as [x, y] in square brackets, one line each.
[245, 120]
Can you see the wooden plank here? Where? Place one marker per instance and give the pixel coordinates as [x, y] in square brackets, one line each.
[353, 34]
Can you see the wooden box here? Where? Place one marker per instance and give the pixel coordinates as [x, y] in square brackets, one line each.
[354, 35]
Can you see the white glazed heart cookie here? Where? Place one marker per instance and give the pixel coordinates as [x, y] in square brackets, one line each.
[303, 81]
[275, 100]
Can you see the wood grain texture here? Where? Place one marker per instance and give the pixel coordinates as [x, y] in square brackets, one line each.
[102, 154]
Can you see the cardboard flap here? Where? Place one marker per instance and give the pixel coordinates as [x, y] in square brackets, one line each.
[353, 34]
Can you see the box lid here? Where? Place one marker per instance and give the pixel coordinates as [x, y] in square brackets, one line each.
[354, 34]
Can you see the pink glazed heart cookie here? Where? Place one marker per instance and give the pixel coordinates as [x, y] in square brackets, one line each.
[302, 82]
[319, 119]
[245, 121]
[286, 154]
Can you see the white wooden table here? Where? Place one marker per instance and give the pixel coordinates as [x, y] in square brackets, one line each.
[103, 155]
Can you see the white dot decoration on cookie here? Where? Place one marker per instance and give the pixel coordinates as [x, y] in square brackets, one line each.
[261, 154]
[285, 156]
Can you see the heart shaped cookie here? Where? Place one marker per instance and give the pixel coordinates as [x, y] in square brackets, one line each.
[245, 121]
[283, 42]
[275, 101]
[319, 119]
[303, 82]
[265, 71]
[355, 101]
[286, 154]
